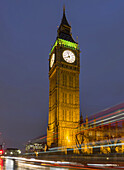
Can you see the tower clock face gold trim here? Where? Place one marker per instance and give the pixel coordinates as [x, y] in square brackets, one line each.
[52, 60]
[69, 56]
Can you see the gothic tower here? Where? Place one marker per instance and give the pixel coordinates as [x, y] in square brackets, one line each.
[64, 106]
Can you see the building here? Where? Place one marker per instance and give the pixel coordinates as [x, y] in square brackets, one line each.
[103, 133]
[12, 152]
[64, 106]
[36, 145]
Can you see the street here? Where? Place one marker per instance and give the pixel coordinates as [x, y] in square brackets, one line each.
[18, 163]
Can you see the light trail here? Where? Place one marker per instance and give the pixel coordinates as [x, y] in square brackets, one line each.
[112, 121]
[99, 142]
[96, 122]
[89, 146]
[109, 114]
[93, 128]
[103, 116]
[108, 118]
[43, 163]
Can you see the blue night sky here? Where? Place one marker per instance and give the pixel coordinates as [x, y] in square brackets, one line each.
[28, 28]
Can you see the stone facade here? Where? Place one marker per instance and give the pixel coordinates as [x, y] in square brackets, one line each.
[64, 105]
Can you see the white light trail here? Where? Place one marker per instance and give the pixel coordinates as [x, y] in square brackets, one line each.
[103, 120]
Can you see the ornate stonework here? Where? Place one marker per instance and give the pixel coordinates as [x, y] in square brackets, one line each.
[64, 106]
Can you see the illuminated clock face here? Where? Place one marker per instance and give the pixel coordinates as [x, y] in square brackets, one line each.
[52, 60]
[69, 56]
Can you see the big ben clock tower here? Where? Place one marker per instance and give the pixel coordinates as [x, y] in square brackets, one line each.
[64, 106]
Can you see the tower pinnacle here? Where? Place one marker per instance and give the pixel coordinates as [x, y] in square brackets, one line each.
[64, 30]
[64, 9]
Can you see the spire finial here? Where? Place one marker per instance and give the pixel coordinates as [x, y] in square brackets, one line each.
[77, 38]
[64, 9]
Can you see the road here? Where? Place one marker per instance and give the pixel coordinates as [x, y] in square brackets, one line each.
[18, 163]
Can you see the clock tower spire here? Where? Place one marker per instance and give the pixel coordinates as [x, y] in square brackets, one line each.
[64, 30]
[64, 106]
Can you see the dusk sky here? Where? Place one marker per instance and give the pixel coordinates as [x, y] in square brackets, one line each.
[28, 28]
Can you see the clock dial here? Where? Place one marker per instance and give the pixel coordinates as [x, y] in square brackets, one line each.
[52, 60]
[69, 56]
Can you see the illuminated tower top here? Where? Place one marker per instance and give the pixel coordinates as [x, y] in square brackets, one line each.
[64, 30]
[64, 35]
